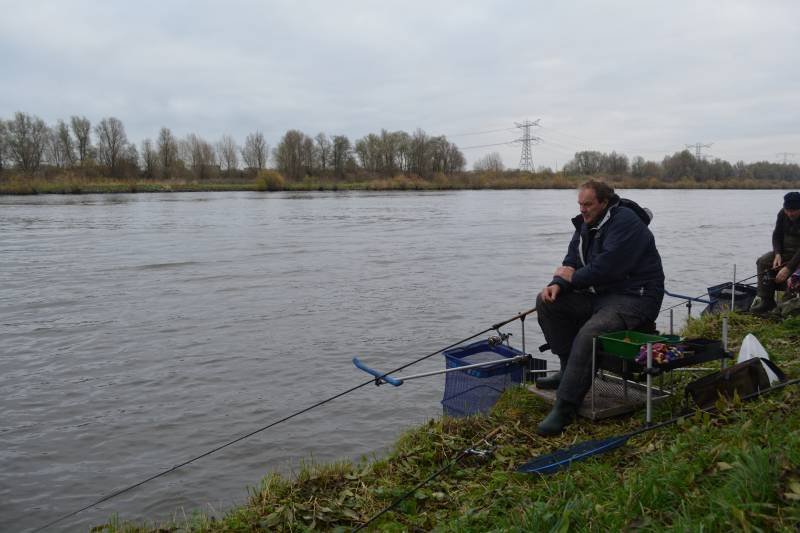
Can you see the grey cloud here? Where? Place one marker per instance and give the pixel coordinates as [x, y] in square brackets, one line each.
[642, 78]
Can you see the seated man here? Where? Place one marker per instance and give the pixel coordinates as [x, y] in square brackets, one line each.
[784, 257]
[611, 279]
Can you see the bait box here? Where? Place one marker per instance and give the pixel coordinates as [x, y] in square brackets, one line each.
[627, 343]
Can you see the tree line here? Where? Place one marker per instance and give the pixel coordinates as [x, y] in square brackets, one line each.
[680, 165]
[31, 147]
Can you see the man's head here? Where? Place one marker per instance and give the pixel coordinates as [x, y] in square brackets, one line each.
[791, 205]
[593, 198]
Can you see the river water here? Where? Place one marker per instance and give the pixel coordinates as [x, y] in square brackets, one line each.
[139, 331]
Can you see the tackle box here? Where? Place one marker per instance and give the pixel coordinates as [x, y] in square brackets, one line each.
[627, 343]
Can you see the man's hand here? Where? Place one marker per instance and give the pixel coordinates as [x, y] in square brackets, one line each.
[783, 275]
[550, 293]
[777, 261]
[565, 272]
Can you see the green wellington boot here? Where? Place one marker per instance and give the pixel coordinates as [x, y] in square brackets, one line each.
[765, 299]
[765, 304]
[562, 414]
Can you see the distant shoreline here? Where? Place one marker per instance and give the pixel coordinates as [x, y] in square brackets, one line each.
[85, 185]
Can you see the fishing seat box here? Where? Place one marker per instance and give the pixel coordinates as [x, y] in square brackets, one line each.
[617, 352]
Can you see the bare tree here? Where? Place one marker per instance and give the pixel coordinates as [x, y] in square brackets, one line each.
[129, 162]
[3, 145]
[81, 129]
[290, 154]
[368, 150]
[27, 138]
[403, 147]
[439, 154]
[54, 152]
[454, 159]
[419, 153]
[255, 151]
[341, 152]
[208, 159]
[227, 154]
[323, 152]
[185, 152]
[65, 143]
[149, 157]
[112, 143]
[491, 162]
[167, 148]
[308, 152]
[199, 155]
[615, 163]
[391, 145]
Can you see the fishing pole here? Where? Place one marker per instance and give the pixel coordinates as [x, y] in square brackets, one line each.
[397, 381]
[561, 459]
[519, 316]
[461, 455]
[698, 298]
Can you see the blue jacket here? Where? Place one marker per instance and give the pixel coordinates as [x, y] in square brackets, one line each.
[617, 255]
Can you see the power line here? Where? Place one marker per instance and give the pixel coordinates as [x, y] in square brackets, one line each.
[480, 132]
[627, 149]
[559, 146]
[786, 156]
[508, 143]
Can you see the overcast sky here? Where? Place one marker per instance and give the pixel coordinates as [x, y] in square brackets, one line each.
[643, 78]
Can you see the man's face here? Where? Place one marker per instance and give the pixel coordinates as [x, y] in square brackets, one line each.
[793, 214]
[590, 207]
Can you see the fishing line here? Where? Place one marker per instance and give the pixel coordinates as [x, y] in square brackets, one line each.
[425, 481]
[519, 316]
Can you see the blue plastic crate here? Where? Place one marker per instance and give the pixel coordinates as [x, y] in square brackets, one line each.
[476, 390]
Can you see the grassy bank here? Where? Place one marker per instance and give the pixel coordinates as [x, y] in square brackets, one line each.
[272, 181]
[737, 470]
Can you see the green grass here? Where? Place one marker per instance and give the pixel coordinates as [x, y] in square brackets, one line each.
[68, 182]
[97, 185]
[738, 470]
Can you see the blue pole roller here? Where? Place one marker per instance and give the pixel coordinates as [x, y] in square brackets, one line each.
[379, 376]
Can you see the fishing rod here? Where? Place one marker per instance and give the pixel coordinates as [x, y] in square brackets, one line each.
[519, 316]
[561, 459]
[699, 298]
[386, 378]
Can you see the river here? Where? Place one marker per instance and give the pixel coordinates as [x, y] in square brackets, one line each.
[138, 331]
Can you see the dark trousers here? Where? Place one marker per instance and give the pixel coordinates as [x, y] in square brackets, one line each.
[766, 277]
[571, 322]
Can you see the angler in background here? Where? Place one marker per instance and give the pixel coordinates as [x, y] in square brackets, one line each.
[784, 257]
[611, 279]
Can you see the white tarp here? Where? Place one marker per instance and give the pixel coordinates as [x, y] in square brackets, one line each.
[752, 348]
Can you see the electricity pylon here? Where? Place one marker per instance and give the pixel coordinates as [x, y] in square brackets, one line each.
[698, 149]
[526, 159]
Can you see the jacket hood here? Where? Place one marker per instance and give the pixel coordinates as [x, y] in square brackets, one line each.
[642, 212]
[613, 203]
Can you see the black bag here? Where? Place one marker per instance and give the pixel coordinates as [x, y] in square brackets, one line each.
[743, 379]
